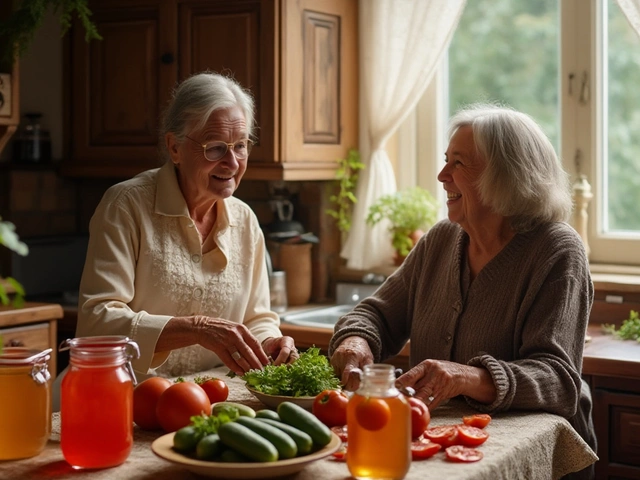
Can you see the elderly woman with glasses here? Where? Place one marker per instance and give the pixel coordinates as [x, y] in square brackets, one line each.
[175, 262]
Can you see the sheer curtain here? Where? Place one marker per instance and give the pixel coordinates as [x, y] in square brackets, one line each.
[631, 10]
[401, 43]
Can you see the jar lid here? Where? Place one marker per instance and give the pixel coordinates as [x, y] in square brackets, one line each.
[106, 341]
[16, 356]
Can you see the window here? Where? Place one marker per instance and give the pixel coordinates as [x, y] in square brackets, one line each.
[574, 66]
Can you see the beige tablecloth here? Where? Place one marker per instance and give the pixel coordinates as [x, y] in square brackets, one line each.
[521, 446]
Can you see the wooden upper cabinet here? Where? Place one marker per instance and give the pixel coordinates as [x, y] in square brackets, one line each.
[297, 57]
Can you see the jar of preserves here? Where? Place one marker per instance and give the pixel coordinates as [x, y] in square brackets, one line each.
[379, 426]
[96, 401]
[25, 402]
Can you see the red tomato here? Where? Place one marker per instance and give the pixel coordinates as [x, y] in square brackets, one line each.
[479, 420]
[458, 453]
[179, 403]
[372, 413]
[445, 435]
[216, 389]
[420, 417]
[330, 406]
[421, 449]
[471, 436]
[341, 453]
[145, 400]
[341, 432]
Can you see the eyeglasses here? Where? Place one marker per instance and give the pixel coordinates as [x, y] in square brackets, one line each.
[214, 151]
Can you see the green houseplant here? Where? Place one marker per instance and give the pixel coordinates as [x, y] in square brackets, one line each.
[409, 212]
[347, 178]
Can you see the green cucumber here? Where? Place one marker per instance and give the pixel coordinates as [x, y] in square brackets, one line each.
[209, 447]
[303, 441]
[231, 456]
[247, 442]
[285, 445]
[244, 410]
[266, 413]
[306, 421]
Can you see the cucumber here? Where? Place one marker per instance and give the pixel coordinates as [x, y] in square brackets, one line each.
[231, 456]
[244, 410]
[265, 413]
[209, 447]
[247, 442]
[303, 441]
[306, 421]
[285, 445]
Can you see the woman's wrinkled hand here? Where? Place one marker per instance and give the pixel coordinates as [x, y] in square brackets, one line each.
[232, 342]
[281, 349]
[348, 360]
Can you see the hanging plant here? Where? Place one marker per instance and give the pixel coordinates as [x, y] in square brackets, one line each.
[20, 27]
[347, 178]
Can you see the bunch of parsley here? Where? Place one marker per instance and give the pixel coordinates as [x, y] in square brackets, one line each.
[307, 376]
[629, 330]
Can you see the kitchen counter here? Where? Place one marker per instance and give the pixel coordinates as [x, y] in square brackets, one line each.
[521, 445]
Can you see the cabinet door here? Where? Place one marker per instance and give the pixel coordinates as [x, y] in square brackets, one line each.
[119, 85]
[234, 38]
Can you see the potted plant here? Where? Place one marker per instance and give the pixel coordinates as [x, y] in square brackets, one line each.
[409, 212]
[9, 238]
[347, 178]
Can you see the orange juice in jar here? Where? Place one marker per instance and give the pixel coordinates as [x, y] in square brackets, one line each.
[379, 426]
[96, 402]
[25, 402]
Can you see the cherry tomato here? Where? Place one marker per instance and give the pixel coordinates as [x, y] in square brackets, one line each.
[145, 400]
[421, 449]
[216, 389]
[179, 403]
[458, 453]
[479, 420]
[420, 417]
[471, 436]
[372, 413]
[341, 432]
[341, 453]
[330, 406]
[445, 435]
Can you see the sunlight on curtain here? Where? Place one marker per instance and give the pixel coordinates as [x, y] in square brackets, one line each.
[401, 44]
[631, 10]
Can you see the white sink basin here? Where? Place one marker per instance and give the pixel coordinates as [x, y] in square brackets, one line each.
[323, 317]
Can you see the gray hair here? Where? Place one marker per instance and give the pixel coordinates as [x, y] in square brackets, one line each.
[524, 179]
[196, 98]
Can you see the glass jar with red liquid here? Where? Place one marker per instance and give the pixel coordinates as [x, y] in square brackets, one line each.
[25, 402]
[96, 401]
[379, 426]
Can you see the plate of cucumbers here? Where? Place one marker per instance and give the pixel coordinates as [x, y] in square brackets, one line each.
[263, 446]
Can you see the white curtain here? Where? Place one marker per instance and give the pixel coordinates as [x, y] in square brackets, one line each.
[401, 43]
[631, 10]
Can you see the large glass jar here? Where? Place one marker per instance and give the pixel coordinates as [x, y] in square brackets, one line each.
[25, 402]
[96, 401]
[379, 426]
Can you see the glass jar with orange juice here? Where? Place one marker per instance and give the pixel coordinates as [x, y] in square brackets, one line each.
[25, 402]
[96, 401]
[379, 426]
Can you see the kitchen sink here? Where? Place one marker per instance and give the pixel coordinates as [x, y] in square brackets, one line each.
[323, 317]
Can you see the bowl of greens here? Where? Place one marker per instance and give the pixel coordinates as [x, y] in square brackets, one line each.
[298, 382]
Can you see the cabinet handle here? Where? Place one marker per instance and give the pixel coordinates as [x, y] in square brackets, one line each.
[167, 58]
[14, 343]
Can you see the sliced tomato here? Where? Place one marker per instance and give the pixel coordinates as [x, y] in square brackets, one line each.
[459, 453]
[471, 436]
[478, 420]
[445, 435]
[341, 432]
[421, 449]
[341, 453]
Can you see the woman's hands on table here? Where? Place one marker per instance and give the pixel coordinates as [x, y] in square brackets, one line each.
[348, 360]
[281, 349]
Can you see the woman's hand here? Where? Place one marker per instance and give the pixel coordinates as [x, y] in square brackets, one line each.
[349, 359]
[232, 342]
[436, 381]
[281, 349]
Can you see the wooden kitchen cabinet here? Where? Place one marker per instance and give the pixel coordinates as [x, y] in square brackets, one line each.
[33, 326]
[298, 58]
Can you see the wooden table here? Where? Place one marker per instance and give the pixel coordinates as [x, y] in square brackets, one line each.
[521, 445]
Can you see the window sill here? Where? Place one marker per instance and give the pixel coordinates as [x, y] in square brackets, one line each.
[619, 278]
